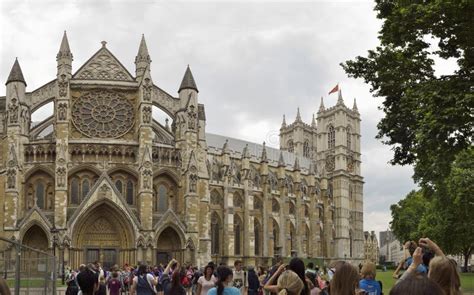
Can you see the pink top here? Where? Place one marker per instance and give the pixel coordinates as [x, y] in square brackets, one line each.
[206, 285]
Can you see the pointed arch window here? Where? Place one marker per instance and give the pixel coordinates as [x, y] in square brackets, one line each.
[331, 137]
[118, 185]
[130, 192]
[275, 206]
[306, 149]
[40, 194]
[349, 138]
[276, 236]
[215, 242]
[291, 146]
[256, 229]
[237, 236]
[85, 188]
[75, 191]
[162, 198]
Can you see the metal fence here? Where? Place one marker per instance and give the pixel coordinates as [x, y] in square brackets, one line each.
[28, 271]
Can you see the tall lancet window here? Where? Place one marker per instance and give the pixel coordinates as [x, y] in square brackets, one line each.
[331, 137]
[349, 138]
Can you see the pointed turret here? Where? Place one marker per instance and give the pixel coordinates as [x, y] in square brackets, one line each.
[296, 166]
[142, 60]
[321, 106]
[283, 124]
[64, 50]
[281, 160]
[64, 58]
[16, 75]
[188, 81]
[340, 101]
[225, 147]
[245, 152]
[313, 122]
[298, 116]
[354, 107]
[263, 157]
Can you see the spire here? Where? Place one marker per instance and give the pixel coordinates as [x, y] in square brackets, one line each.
[340, 101]
[64, 50]
[296, 166]
[313, 122]
[281, 160]
[264, 154]
[245, 152]
[167, 124]
[16, 75]
[142, 60]
[283, 124]
[298, 116]
[225, 147]
[188, 81]
[354, 107]
[321, 106]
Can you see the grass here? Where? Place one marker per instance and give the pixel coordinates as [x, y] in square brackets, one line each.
[467, 281]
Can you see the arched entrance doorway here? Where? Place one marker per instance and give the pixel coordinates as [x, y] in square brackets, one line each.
[169, 246]
[34, 262]
[104, 235]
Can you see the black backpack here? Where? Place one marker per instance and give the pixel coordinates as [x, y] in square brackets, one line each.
[254, 283]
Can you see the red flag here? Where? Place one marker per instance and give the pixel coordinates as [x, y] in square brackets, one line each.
[335, 89]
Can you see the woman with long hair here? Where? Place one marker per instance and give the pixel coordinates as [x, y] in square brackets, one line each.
[224, 280]
[297, 265]
[345, 280]
[144, 282]
[416, 284]
[173, 286]
[206, 281]
[288, 282]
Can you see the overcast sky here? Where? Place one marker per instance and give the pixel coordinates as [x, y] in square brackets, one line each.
[252, 62]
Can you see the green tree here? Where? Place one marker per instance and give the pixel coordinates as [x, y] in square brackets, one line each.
[446, 215]
[406, 216]
[428, 119]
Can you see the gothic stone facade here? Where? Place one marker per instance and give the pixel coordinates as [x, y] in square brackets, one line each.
[371, 247]
[102, 180]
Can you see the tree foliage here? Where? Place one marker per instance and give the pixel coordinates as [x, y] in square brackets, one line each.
[428, 119]
[446, 215]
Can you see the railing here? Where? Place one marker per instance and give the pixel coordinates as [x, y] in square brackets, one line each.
[27, 271]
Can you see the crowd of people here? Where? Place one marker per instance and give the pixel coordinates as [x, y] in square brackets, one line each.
[427, 271]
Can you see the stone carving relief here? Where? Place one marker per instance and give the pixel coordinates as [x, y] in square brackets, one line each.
[25, 118]
[62, 111]
[147, 88]
[193, 178]
[104, 114]
[13, 111]
[11, 178]
[103, 67]
[330, 163]
[61, 176]
[192, 118]
[62, 86]
[147, 178]
[146, 114]
[350, 163]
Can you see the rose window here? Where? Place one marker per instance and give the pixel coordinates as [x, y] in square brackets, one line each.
[103, 114]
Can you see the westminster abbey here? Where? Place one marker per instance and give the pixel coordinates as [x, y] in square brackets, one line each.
[102, 179]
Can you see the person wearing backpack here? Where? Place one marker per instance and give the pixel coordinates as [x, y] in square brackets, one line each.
[144, 282]
[253, 281]
[240, 280]
[173, 286]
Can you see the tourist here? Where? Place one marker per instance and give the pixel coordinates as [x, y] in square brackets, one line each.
[206, 281]
[253, 281]
[240, 280]
[288, 282]
[297, 265]
[4, 290]
[416, 284]
[368, 282]
[187, 279]
[114, 285]
[172, 286]
[102, 290]
[442, 270]
[87, 280]
[345, 280]
[144, 282]
[224, 283]
[72, 287]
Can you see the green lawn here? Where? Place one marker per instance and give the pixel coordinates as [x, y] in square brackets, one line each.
[467, 281]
